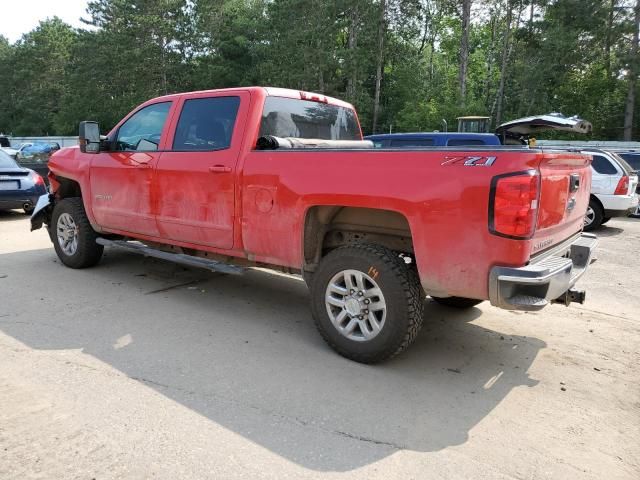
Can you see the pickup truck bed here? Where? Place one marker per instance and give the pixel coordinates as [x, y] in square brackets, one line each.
[371, 231]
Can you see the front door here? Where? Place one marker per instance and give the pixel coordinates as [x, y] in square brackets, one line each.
[121, 179]
[196, 175]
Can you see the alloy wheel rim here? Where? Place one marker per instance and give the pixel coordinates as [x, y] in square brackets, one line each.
[355, 305]
[589, 217]
[67, 233]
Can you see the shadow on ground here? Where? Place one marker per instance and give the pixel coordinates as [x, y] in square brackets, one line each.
[242, 351]
[607, 231]
[10, 215]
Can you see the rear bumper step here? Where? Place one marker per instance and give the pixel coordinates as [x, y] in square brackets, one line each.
[180, 258]
[548, 281]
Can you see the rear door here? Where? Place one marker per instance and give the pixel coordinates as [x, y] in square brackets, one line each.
[195, 177]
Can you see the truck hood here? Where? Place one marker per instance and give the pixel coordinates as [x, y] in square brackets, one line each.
[539, 123]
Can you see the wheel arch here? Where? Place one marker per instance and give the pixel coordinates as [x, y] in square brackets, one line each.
[327, 227]
[67, 187]
[64, 187]
[598, 201]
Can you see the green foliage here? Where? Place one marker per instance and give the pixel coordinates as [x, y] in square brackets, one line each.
[132, 50]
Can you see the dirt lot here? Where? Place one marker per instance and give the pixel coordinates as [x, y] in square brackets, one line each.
[143, 369]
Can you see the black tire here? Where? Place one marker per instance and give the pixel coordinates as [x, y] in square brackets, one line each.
[605, 220]
[598, 216]
[88, 252]
[457, 302]
[403, 296]
[29, 210]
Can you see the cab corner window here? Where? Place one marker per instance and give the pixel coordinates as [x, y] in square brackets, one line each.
[206, 124]
[142, 131]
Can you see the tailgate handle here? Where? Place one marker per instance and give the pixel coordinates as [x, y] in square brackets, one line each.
[574, 182]
[219, 169]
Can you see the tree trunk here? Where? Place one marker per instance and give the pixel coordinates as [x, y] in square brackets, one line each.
[490, 59]
[464, 50]
[352, 45]
[503, 67]
[633, 77]
[379, 70]
[607, 41]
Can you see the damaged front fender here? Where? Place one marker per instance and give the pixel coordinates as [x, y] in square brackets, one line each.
[42, 212]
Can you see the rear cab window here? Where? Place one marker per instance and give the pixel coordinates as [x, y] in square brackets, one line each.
[290, 117]
[206, 124]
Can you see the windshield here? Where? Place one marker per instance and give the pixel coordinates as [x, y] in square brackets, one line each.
[6, 161]
[289, 117]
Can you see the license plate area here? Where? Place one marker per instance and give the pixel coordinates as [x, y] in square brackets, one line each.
[9, 185]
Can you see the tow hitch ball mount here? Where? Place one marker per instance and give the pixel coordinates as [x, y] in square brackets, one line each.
[570, 296]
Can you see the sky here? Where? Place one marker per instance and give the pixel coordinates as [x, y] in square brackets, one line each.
[21, 16]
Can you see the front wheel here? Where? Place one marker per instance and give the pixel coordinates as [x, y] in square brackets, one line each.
[367, 303]
[73, 238]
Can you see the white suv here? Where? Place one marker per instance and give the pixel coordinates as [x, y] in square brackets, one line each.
[613, 188]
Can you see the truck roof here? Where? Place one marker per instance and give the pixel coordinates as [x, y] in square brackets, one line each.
[269, 91]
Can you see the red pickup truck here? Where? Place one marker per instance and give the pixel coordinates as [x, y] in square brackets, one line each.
[234, 178]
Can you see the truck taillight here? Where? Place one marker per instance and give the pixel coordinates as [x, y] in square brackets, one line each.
[513, 204]
[623, 186]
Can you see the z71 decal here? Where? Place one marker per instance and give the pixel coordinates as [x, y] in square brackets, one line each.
[475, 161]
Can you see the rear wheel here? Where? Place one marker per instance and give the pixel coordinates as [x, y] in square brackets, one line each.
[594, 216]
[367, 302]
[73, 238]
[457, 302]
[605, 220]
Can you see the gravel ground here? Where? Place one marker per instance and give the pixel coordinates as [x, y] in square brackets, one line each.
[142, 369]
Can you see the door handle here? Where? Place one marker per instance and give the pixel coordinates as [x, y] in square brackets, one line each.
[219, 169]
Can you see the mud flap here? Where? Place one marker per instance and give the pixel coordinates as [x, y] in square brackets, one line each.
[41, 212]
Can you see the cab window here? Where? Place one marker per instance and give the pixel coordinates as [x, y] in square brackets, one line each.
[141, 132]
[289, 117]
[206, 124]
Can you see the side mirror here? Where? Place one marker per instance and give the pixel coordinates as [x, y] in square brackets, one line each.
[89, 133]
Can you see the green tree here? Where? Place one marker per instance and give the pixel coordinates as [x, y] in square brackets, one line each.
[33, 76]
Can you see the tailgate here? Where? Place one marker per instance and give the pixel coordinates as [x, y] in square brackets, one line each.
[565, 186]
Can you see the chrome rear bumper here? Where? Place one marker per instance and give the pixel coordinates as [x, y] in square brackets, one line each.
[551, 279]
